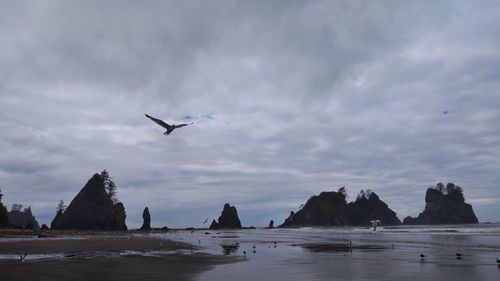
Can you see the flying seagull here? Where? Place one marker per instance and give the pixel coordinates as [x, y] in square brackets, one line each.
[169, 128]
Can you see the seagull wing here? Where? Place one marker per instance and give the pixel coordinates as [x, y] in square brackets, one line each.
[182, 125]
[159, 122]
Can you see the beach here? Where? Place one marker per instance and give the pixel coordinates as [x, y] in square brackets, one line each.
[342, 253]
[101, 257]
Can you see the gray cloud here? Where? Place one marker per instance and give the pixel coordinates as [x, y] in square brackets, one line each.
[289, 99]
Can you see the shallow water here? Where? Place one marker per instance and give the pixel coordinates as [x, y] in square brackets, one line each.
[324, 253]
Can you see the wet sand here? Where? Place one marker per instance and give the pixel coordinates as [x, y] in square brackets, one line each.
[278, 254]
[96, 257]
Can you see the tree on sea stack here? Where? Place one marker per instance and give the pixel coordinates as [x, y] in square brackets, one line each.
[93, 207]
[61, 207]
[4, 218]
[110, 186]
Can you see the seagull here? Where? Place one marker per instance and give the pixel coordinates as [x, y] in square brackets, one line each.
[22, 256]
[169, 128]
[375, 224]
[205, 221]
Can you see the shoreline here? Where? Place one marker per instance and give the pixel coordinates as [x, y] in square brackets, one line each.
[100, 256]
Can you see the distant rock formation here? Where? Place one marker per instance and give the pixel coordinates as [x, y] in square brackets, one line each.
[92, 209]
[444, 205]
[146, 217]
[22, 219]
[44, 227]
[271, 224]
[369, 207]
[325, 209]
[332, 209]
[228, 219]
[4, 215]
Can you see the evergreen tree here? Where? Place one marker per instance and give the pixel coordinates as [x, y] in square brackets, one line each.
[61, 207]
[110, 186]
[16, 207]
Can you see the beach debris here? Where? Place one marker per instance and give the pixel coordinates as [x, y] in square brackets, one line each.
[22, 256]
[206, 233]
[458, 255]
[498, 262]
[169, 128]
[422, 256]
[230, 248]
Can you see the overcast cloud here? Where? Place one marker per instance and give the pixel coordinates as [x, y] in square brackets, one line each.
[290, 98]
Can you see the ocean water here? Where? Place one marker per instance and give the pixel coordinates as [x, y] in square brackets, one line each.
[390, 253]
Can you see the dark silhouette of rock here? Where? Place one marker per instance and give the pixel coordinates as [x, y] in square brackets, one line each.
[44, 227]
[444, 205]
[228, 219]
[56, 222]
[22, 219]
[331, 209]
[214, 225]
[4, 217]
[369, 207]
[92, 209]
[325, 209]
[271, 224]
[146, 217]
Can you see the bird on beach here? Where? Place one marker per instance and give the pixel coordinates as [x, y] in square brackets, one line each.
[169, 127]
[422, 256]
[498, 262]
[459, 255]
[22, 256]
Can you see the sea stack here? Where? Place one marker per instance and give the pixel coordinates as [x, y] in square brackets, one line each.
[444, 205]
[22, 218]
[228, 219]
[146, 225]
[271, 224]
[92, 209]
[331, 209]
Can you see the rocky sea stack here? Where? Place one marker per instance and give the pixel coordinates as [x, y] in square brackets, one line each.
[92, 209]
[146, 217]
[22, 218]
[444, 205]
[331, 209]
[228, 219]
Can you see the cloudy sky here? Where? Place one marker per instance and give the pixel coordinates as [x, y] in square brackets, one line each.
[290, 98]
